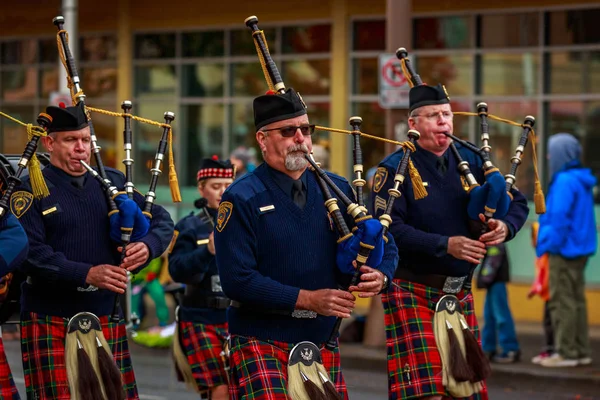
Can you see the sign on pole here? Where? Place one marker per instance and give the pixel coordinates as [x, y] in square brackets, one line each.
[393, 86]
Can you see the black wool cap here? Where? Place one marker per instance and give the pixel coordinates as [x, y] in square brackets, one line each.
[424, 95]
[271, 108]
[67, 118]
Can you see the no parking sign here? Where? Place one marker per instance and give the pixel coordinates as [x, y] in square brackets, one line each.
[393, 86]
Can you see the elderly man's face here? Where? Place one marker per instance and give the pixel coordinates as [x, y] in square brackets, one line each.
[68, 148]
[285, 154]
[432, 122]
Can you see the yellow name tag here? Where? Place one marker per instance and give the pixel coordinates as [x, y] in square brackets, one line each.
[49, 211]
[267, 208]
[202, 241]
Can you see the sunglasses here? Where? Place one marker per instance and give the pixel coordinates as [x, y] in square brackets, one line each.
[290, 131]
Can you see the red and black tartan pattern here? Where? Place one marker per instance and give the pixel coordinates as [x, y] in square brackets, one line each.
[8, 390]
[43, 351]
[203, 345]
[259, 369]
[214, 173]
[413, 360]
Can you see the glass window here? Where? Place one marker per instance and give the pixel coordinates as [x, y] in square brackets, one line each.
[366, 76]
[504, 139]
[565, 116]
[105, 127]
[248, 79]
[368, 35]
[509, 74]
[307, 39]
[203, 127]
[203, 80]
[242, 128]
[453, 71]
[48, 81]
[99, 83]
[159, 45]
[442, 33]
[48, 51]
[573, 72]
[309, 77]
[98, 48]
[14, 136]
[374, 124]
[509, 30]
[19, 84]
[204, 44]
[461, 123]
[573, 27]
[242, 42]
[155, 81]
[591, 139]
[19, 52]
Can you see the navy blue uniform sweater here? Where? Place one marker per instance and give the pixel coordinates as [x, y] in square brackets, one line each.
[13, 244]
[191, 263]
[268, 249]
[422, 228]
[68, 234]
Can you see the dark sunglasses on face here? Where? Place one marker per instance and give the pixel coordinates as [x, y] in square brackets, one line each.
[290, 131]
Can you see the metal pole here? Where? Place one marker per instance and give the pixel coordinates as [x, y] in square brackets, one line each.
[69, 11]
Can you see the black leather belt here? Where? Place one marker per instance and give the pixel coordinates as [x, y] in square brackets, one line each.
[219, 303]
[447, 284]
[294, 314]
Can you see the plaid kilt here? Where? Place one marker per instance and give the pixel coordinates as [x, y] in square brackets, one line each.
[202, 345]
[259, 369]
[414, 363]
[43, 350]
[8, 390]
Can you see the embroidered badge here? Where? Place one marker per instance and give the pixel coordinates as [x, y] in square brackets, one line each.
[380, 204]
[20, 203]
[225, 210]
[379, 179]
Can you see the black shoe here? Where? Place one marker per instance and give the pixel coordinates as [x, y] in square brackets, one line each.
[508, 357]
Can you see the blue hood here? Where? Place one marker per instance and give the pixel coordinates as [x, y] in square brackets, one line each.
[564, 151]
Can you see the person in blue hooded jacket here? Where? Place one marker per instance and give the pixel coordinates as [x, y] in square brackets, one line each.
[568, 234]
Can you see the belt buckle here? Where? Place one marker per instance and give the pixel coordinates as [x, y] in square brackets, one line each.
[304, 314]
[453, 284]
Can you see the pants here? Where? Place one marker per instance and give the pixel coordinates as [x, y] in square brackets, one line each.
[548, 331]
[568, 308]
[157, 294]
[499, 327]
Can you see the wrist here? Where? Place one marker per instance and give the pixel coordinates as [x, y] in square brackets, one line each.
[304, 300]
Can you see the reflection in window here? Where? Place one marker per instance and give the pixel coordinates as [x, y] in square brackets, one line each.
[99, 82]
[203, 80]
[105, 127]
[98, 48]
[366, 76]
[155, 46]
[373, 117]
[461, 123]
[453, 71]
[156, 81]
[565, 116]
[19, 52]
[19, 84]
[509, 74]
[368, 35]
[48, 82]
[48, 51]
[311, 77]
[442, 33]
[242, 43]
[203, 127]
[248, 79]
[204, 44]
[573, 27]
[504, 139]
[591, 140]
[509, 30]
[573, 72]
[14, 136]
[242, 128]
[307, 39]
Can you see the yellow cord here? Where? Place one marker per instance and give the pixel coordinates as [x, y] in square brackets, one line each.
[263, 63]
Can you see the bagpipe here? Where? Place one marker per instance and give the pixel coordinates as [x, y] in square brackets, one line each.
[363, 245]
[128, 223]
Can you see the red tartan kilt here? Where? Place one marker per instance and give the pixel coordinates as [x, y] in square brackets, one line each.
[202, 345]
[259, 369]
[43, 351]
[8, 390]
[414, 363]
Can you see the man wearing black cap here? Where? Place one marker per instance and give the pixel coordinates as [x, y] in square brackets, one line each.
[276, 254]
[437, 251]
[73, 265]
[201, 334]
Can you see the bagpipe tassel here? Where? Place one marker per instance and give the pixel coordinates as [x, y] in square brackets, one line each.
[417, 183]
[538, 198]
[110, 373]
[173, 181]
[476, 359]
[38, 183]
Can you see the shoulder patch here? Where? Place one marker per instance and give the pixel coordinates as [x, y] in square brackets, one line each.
[379, 179]
[20, 202]
[225, 210]
[380, 204]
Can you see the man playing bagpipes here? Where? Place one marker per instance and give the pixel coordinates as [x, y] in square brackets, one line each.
[74, 272]
[200, 341]
[276, 249]
[430, 322]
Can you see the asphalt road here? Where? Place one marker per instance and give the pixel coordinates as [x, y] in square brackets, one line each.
[156, 381]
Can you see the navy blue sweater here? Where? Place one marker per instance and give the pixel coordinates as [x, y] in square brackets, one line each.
[191, 263]
[68, 234]
[268, 249]
[13, 244]
[422, 228]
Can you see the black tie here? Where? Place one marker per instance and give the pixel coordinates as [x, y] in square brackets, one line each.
[441, 165]
[298, 194]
